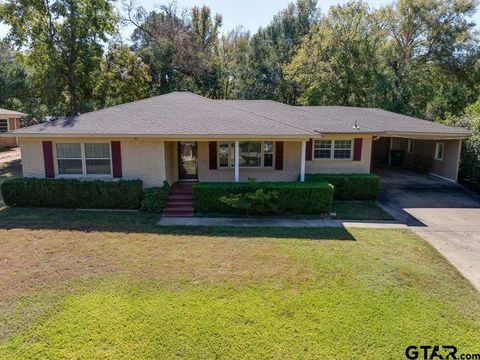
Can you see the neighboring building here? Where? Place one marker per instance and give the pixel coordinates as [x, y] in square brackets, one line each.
[9, 121]
[182, 136]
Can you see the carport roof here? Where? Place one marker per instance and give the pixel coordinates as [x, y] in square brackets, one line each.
[183, 114]
[382, 121]
[11, 113]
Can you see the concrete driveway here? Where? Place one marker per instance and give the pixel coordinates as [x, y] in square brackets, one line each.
[7, 155]
[10, 166]
[444, 214]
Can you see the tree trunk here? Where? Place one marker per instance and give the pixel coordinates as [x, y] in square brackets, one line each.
[72, 93]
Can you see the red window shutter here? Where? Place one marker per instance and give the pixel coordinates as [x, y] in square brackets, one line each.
[116, 160]
[48, 159]
[309, 150]
[357, 149]
[279, 155]
[212, 155]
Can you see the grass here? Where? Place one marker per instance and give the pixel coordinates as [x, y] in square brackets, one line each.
[345, 210]
[105, 285]
[359, 210]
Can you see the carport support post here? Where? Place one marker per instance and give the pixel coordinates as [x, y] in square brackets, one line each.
[302, 161]
[237, 162]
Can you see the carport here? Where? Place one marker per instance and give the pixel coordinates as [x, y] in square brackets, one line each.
[437, 156]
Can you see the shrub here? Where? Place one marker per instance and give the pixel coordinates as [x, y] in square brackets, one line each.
[259, 201]
[155, 199]
[293, 197]
[72, 194]
[350, 186]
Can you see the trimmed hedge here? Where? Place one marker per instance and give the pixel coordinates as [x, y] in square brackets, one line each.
[293, 197]
[72, 194]
[350, 186]
[155, 199]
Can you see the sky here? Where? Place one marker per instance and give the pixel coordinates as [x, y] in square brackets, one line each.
[250, 13]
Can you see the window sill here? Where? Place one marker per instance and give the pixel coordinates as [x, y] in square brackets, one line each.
[332, 160]
[248, 168]
[84, 177]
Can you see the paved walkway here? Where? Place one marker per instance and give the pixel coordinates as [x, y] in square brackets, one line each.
[255, 222]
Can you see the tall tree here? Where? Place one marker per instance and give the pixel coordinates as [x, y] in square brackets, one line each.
[233, 54]
[180, 46]
[63, 38]
[124, 77]
[426, 38]
[273, 47]
[13, 79]
[339, 61]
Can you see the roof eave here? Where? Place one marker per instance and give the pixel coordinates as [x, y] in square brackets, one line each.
[163, 136]
[427, 135]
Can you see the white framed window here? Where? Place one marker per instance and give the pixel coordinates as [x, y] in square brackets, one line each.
[83, 159]
[439, 151]
[332, 149]
[226, 157]
[3, 125]
[69, 159]
[97, 159]
[268, 153]
[252, 154]
[322, 149]
[410, 146]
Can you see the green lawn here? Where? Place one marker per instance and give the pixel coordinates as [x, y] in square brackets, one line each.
[359, 210]
[98, 285]
[345, 210]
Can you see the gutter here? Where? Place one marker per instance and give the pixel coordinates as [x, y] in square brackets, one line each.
[182, 137]
[185, 137]
[428, 136]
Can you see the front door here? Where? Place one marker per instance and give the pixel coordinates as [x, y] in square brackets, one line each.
[187, 160]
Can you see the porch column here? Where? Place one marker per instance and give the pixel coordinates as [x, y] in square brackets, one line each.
[237, 162]
[302, 161]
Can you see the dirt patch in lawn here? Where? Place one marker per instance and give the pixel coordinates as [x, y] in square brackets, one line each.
[34, 260]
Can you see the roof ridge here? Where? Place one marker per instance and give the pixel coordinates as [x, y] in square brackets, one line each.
[303, 108]
[266, 117]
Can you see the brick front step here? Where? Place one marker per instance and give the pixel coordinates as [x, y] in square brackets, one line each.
[185, 197]
[178, 203]
[177, 213]
[181, 192]
[188, 208]
[181, 189]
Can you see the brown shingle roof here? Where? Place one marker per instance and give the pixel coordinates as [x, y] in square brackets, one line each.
[178, 113]
[6, 112]
[185, 114]
[382, 121]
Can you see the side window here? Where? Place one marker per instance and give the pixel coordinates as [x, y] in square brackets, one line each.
[439, 150]
[410, 146]
[3, 125]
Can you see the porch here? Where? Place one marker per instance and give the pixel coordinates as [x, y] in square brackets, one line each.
[234, 160]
